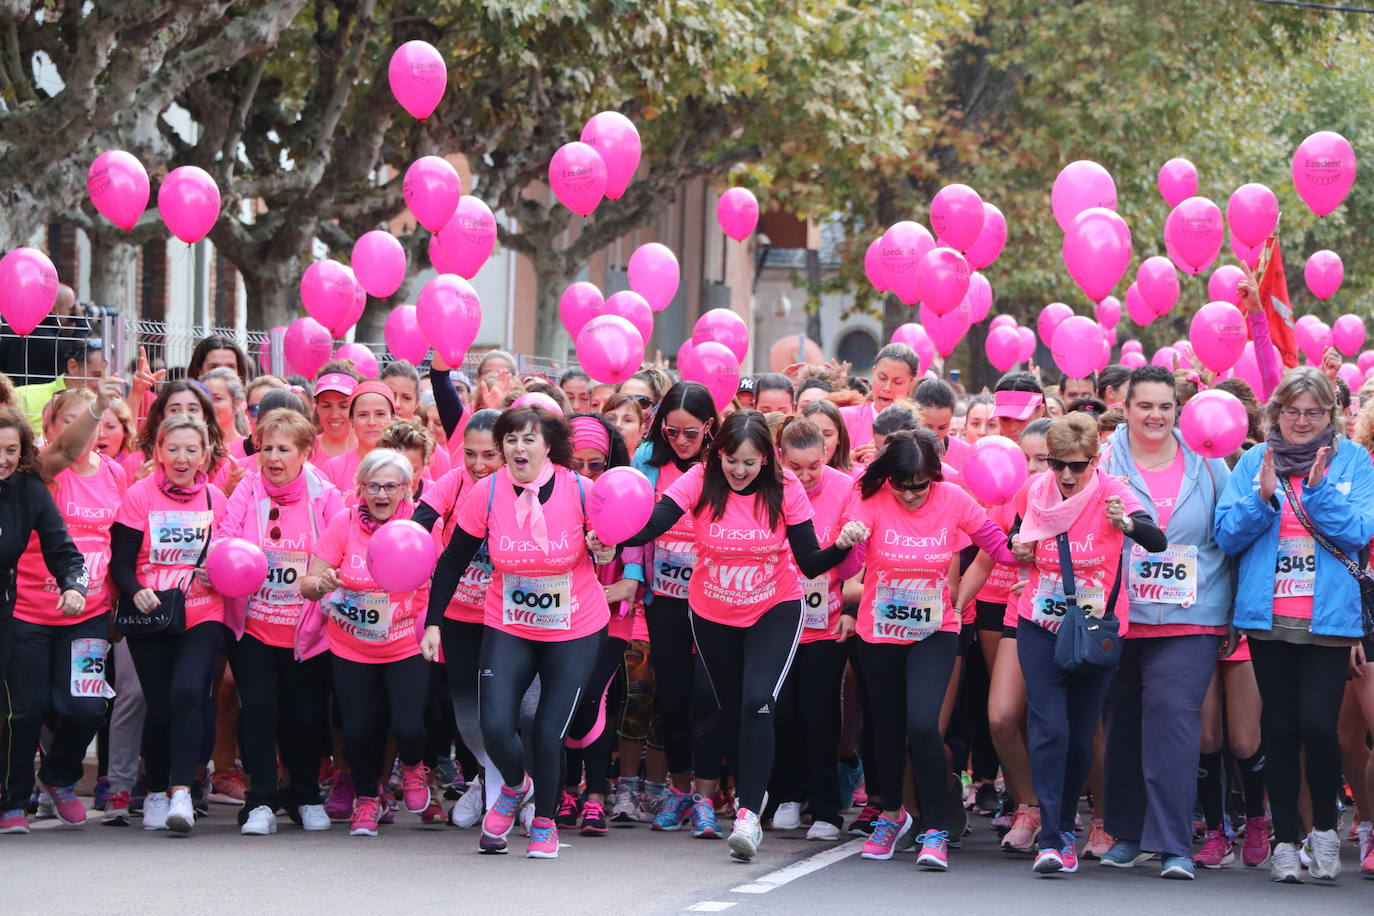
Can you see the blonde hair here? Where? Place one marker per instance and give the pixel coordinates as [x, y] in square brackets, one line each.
[64, 400]
[1073, 432]
[404, 435]
[295, 425]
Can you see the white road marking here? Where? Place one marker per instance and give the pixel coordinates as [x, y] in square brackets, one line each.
[796, 870]
[708, 906]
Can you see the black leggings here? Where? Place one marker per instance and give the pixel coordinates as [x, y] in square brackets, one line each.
[175, 670]
[281, 705]
[596, 704]
[373, 697]
[746, 667]
[906, 686]
[1300, 689]
[807, 764]
[507, 668]
[670, 633]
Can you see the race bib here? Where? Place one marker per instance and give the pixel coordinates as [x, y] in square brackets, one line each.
[88, 669]
[1168, 577]
[908, 614]
[1048, 606]
[1295, 568]
[362, 615]
[673, 570]
[537, 601]
[284, 571]
[478, 574]
[816, 603]
[177, 538]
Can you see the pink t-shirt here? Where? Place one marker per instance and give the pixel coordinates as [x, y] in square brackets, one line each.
[366, 624]
[1295, 570]
[131, 462]
[744, 568]
[175, 535]
[550, 596]
[237, 449]
[675, 552]
[470, 597]
[858, 420]
[956, 453]
[830, 500]
[439, 463]
[88, 506]
[906, 594]
[997, 587]
[342, 472]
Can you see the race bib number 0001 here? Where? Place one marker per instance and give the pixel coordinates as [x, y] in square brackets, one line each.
[1167, 577]
[537, 601]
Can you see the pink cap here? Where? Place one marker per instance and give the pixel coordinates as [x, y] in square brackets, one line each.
[1016, 405]
[335, 381]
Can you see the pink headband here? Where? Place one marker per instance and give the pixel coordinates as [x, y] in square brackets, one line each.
[588, 432]
[372, 386]
[1016, 405]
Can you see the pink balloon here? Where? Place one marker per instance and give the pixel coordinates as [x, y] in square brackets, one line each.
[1104, 352]
[1246, 254]
[118, 186]
[469, 237]
[361, 357]
[1366, 361]
[1252, 213]
[942, 277]
[1349, 374]
[1051, 316]
[1157, 283]
[737, 211]
[441, 262]
[579, 304]
[1166, 357]
[619, 505]
[979, 297]
[616, 139]
[915, 337]
[1313, 339]
[1307, 319]
[903, 246]
[189, 203]
[1132, 345]
[946, 331]
[1136, 307]
[610, 349]
[654, 274]
[1080, 186]
[1224, 284]
[1324, 171]
[994, 470]
[1076, 346]
[401, 556]
[1347, 334]
[1185, 354]
[1003, 348]
[723, 326]
[432, 189]
[1028, 343]
[1108, 312]
[1195, 229]
[1214, 423]
[1218, 335]
[631, 306]
[1097, 251]
[450, 315]
[873, 268]
[307, 347]
[714, 366]
[379, 263]
[1000, 320]
[418, 77]
[1132, 359]
[578, 176]
[28, 288]
[329, 290]
[404, 339]
[956, 216]
[1324, 273]
[1177, 181]
[992, 238]
[236, 567]
[540, 400]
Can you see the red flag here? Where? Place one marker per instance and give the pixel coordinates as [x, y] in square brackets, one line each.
[1273, 297]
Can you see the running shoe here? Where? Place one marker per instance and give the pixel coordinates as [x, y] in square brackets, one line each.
[1364, 830]
[117, 810]
[365, 817]
[1255, 849]
[433, 815]
[864, 823]
[229, 786]
[181, 813]
[339, 805]
[823, 831]
[65, 805]
[746, 836]
[724, 802]
[1069, 852]
[1217, 852]
[468, 809]
[1367, 864]
[543, 839]
[200, 797]
[1124, 854]
[956, 815]
[1025, 825]
[101, 796]
[568, 810]
[1099, 841]
[1324, 849]
[261, 821]
[788, 816]
[861, 798]
[1284, 866]
[155, 805]
[445, 774]
[415, 788]
[934, 850]
[626, 805]
[851, 778]
[985, 800]
[704, 825]
[388, 810]
[500, 818]
[593, 819]
[882, 841]
[652, 797]
[1178, 868]
[312, 818]
[1047, 862]
[14, 821]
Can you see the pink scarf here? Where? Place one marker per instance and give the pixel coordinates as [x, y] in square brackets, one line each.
[528, 508]
[1048, 513]
[287, 494]
[180, 494]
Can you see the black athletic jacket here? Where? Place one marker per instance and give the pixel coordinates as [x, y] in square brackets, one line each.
[26, 506]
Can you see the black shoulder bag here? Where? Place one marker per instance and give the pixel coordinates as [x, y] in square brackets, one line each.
[170, 616]
[1084, 642]
[1355, 569]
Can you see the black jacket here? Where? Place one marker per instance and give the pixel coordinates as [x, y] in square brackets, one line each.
[26, 506]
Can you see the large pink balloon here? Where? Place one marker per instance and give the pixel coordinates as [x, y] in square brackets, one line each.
[714, 366]
[737, 211]
[610, 349]
[1003, 348]
[1051, 316]
[873, 268]
[631, 306]
[1108, 312]
[942, 277]
[956, 216]
[577, 174]
[1252, 213]
[616, 139]
[118, 187]
[992, 238]
[236, 567]
[1218, 334]
[903, 246]
[1133, 359]
[1347, 335]
[1196, 230]
[307, 346]
[1080, 186]
[994, 470]
[1097, 251]
[916, 337]
[1028, 343]
[1365, 363]
[579, 304]
[1214, 423]
[1177, 181]
[1313, 339]
[1224, 284]
[1076, 346]
[619, 505]
[1306, 319]
[28, 288]
[1248, 255]
[401, 556]
[1137, 308]
[1324, 171]
[363, 359]
[979, 297]
[379, 263]
[1324, 273]
[404, 339]
[654, 274]
[189, 203]
[450, 315]
[469, 237]
[329, 291]
[432, 189]
[1166, 357]
[1157, 283]
[1350, 374]
[723, 326]
[946, 331]
[418, 77]
[441, 262]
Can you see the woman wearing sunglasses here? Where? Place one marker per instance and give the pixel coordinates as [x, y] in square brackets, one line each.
[1093, 512]
[1302, 489]
[278, 661]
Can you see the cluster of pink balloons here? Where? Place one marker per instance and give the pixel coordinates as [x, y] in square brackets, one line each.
[713, 354]
[332, 296]
[1097, 242]
[601, 163]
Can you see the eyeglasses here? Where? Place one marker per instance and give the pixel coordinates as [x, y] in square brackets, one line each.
[643, 400]
[273, 515]
[588, 467]
[1311, 414]
[1078, 467]
[687, 435]
[376, 489]
[253, 410]
[913, 486]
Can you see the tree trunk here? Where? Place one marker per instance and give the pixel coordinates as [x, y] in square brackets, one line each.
[113, 259]
[552, 274]
[813, 298]
[273, 292]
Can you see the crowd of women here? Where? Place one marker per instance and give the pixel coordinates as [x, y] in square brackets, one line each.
[817, 615]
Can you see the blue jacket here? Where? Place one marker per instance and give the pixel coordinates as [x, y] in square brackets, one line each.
[1342, 509]
[1192, 522]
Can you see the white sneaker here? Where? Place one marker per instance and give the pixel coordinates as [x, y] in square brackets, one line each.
[261, 822]
[1363, 833]
[468, 810]
[1324, 848]
[155, 811]
[745, 838]
[313, 817]
[526, 817]
[788, 816]
[626, 804]
[181, 814]
[1283, 864]
[823, 830]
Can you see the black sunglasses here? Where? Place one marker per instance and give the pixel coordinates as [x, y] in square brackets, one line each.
[644, 401]
[913, 487]
[1078, 467]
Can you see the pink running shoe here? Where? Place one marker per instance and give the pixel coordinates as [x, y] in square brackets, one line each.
[1025, 826]
[364, 820]
[882, 842]
[339, 805]
[1069, 852]
[1254, 852]
[934, 850]
[861, 796]
[14, 821]
[1367, 866]
[1217, 852]
[415, 788]
[1099, 841]
[543, 838]
[500, 817]
[65, 804]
